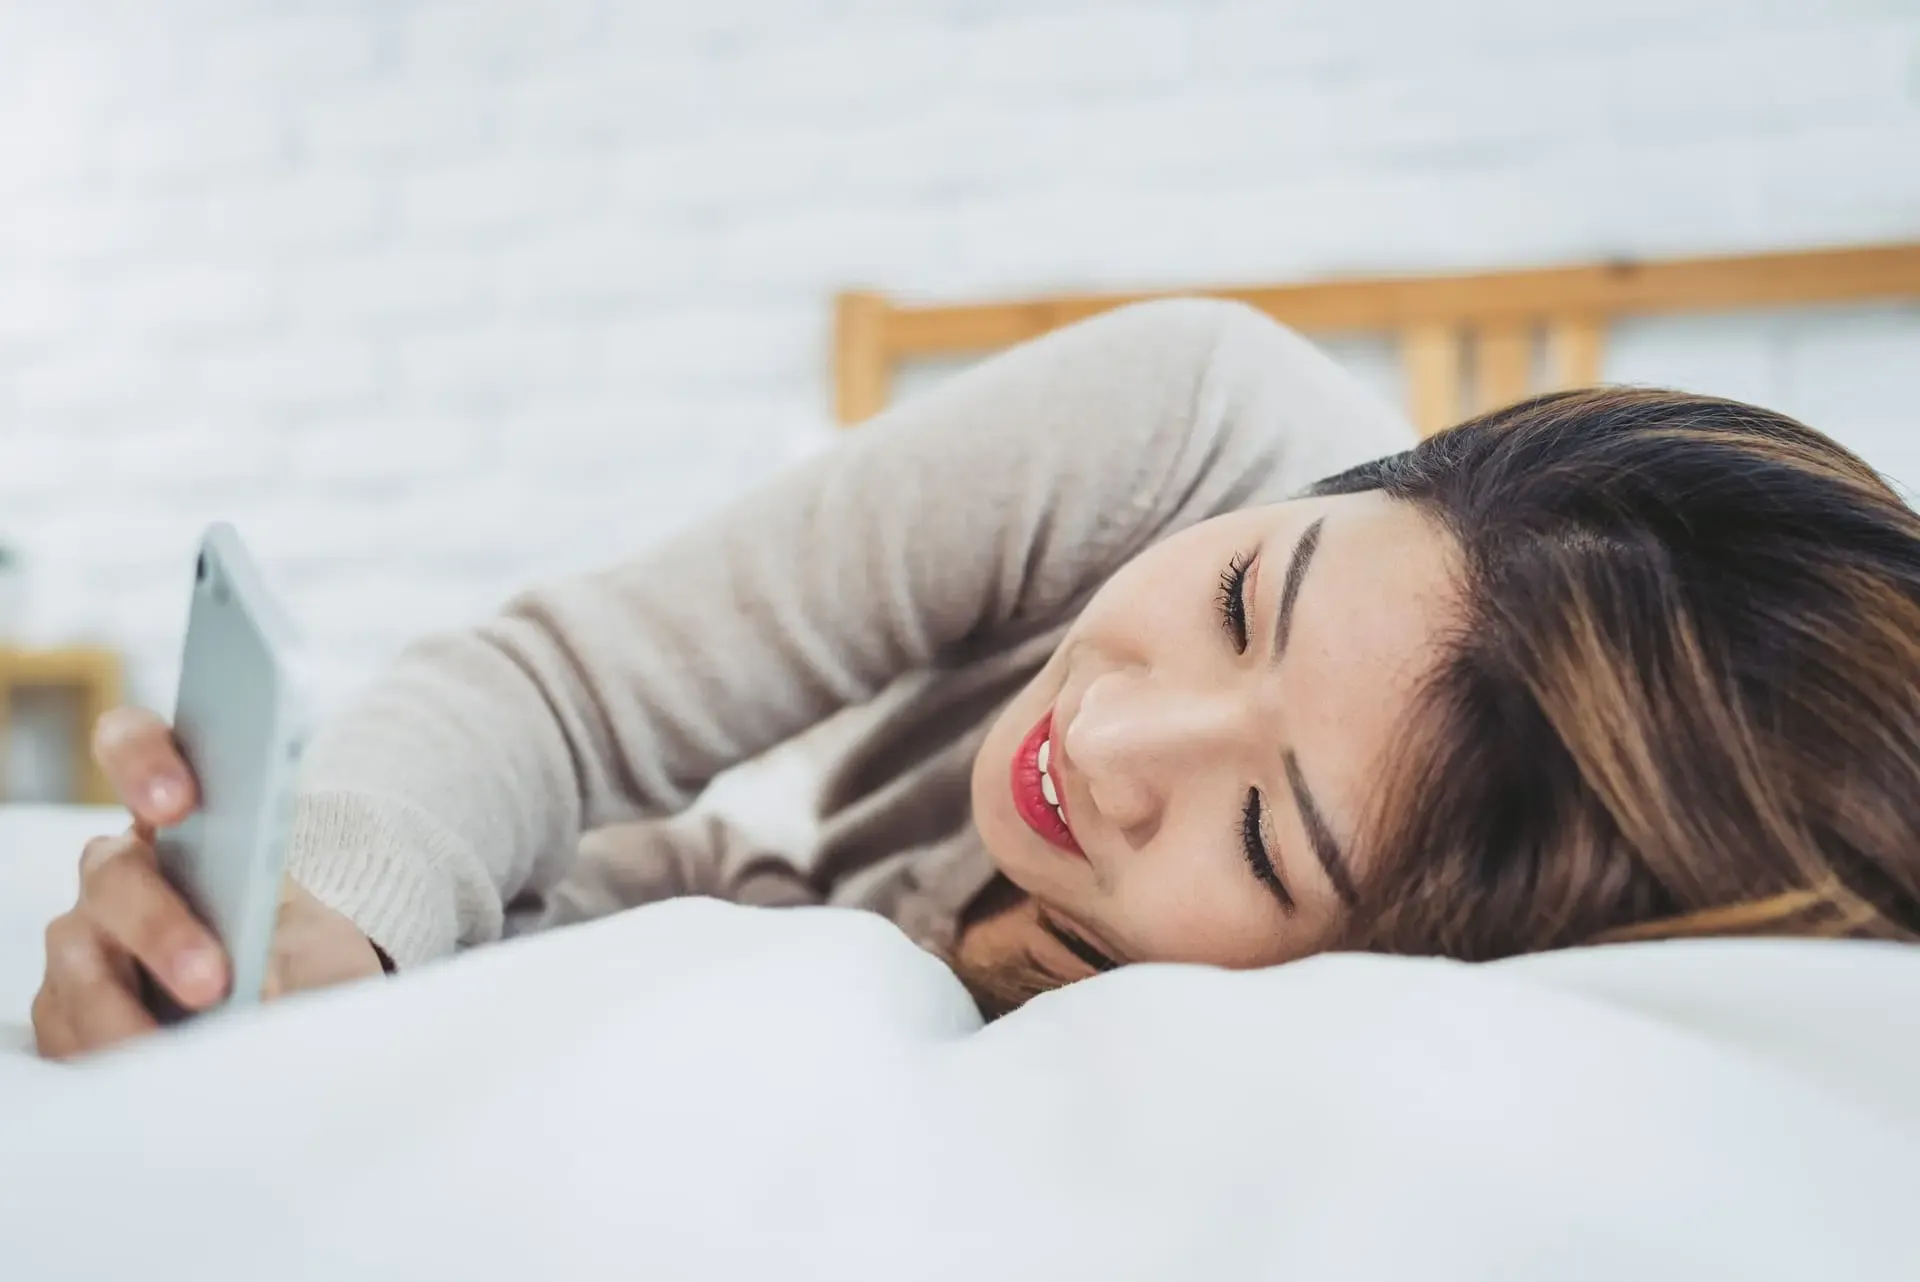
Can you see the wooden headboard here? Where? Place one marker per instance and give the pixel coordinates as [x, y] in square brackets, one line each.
[1466, 343]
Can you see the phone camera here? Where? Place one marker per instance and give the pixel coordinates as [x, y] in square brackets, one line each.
[200, 569]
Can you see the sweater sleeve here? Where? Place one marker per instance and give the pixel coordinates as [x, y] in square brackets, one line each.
[468, 772]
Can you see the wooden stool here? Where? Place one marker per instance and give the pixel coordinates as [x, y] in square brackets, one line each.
[90, 673]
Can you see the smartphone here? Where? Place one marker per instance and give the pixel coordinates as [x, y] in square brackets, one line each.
[241, 719]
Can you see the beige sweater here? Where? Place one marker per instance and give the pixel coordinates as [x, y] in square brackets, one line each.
[928, 565]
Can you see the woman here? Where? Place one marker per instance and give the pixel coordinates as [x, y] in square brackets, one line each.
[1604, 665]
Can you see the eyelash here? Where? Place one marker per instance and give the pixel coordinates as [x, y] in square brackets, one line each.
[1077, 946]
[1255, 848]
[1233, 600]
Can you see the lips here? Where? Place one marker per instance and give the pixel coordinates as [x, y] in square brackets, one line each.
[1030, 785]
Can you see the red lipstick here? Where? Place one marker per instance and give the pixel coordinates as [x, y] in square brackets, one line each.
[1048, 818]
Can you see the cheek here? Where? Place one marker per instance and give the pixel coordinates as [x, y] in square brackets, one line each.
[1108, 620]
[1173, 907]
[1156, 604]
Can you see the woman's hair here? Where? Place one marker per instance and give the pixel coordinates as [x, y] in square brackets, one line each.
[1682, 697]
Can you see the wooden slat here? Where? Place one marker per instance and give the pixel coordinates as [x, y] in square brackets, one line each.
[1430, 356]
[1574, 351]
[1395, 303]
[72, 666]
[862, 356]
[1502, 364]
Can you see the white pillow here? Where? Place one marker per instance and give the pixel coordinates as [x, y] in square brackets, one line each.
[702, 1091]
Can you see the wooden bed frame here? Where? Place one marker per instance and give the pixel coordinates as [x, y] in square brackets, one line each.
[1467, 343]
[92, 677]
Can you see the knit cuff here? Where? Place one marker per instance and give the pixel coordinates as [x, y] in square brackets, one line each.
[385, 866]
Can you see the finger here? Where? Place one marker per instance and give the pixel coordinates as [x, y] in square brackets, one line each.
[124, 896]
[52, 1035]
[137, 753]
[132, 843]
[90, 992]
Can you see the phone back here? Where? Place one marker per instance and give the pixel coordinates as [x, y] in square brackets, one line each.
[240, 720]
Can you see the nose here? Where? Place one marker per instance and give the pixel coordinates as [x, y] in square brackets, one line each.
[1135, 734]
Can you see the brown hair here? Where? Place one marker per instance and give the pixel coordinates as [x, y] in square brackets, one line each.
[1682, 698]
[1684, 695]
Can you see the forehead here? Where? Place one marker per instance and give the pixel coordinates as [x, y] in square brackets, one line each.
[1367, 629]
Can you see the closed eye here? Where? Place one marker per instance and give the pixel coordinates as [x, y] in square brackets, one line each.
[1077, 946]
[1253, 843]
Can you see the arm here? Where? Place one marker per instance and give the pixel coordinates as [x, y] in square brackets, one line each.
[470, 770]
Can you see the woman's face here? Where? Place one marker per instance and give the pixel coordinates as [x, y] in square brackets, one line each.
[1210, 729]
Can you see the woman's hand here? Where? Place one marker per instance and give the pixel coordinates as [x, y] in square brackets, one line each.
[128, 917]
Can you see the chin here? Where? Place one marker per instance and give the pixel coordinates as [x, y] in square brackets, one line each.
[993, 816]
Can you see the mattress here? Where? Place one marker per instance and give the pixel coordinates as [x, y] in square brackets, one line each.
[698, 1090]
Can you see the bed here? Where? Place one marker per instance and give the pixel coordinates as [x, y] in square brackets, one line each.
[701, 1091]
[696, 1090]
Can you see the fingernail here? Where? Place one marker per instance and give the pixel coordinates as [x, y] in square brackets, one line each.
[197, 971]
[165, 793]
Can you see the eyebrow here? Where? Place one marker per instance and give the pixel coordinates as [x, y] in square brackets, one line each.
[1319, 836]
[1290, 591]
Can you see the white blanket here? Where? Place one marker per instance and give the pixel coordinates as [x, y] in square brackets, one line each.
[702, 1091]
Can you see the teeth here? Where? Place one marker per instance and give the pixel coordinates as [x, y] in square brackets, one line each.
[1043, 759]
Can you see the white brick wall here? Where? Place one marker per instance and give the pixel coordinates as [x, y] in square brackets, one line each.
[438, 295]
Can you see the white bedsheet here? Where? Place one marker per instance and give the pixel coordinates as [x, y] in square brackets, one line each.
[701, 1091]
